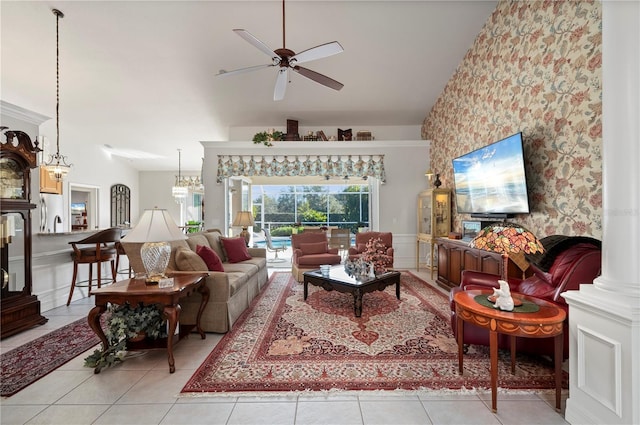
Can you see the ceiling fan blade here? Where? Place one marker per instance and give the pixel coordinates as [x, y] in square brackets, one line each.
[318, 52]
[318, 78]
[258, 44]
[281, 83]
[224, 73]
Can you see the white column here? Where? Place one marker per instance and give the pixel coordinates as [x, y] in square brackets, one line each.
[604, 318]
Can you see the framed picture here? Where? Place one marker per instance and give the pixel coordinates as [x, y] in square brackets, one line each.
[470, 229]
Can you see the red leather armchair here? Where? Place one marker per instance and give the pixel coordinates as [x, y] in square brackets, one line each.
[567, 263]
[310, 250]
[361, 244]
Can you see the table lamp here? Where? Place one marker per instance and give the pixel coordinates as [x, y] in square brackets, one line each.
[244, 219]
[507, 238]
[155, 229]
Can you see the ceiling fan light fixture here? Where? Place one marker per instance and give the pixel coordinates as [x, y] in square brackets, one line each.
[287, 59]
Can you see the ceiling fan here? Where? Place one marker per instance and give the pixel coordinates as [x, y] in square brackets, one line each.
[287, 59]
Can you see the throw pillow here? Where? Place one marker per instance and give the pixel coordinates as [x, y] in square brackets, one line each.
[314, 248]
[187, 260]
[236, 249]
[210, 258]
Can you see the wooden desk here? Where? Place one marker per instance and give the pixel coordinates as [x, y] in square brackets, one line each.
[545, 323]
[134, 291]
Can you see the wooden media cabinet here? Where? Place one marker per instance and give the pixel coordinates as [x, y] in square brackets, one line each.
[455, 255]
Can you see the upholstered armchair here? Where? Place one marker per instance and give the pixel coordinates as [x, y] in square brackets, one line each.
[361, 244]
[567, 263]
[310, 250]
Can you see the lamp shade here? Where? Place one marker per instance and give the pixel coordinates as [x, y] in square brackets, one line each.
[507, 238]
[243, 219]
[155, 229]
[155, 225]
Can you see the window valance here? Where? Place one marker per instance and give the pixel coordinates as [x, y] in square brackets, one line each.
[301, 165]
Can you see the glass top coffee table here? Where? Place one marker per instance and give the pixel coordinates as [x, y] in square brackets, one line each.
[340, 281]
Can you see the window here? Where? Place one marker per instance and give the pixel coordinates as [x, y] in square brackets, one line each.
[344, 205]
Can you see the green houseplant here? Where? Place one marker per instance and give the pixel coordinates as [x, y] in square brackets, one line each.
[126, 323]
[266, 137]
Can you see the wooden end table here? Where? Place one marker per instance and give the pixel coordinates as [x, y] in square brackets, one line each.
[545, 323]
[135, 291]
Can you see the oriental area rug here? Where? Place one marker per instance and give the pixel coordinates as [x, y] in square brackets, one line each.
[283, 343]
[27, 363]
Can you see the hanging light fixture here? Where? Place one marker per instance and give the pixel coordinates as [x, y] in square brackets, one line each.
[179, 190]
[57, 164]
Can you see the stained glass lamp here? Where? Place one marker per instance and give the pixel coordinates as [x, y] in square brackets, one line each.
[507, 238]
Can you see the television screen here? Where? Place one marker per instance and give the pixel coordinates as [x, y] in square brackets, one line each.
[78, 207]
[491, 180]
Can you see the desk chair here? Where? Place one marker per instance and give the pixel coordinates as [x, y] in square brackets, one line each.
[102, 249]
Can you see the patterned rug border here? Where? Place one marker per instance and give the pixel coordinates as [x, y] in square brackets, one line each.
[24, 365]
[335, 392]
[460, 388]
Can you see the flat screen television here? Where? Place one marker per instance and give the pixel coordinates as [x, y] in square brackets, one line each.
[490, 181]
[78, 207]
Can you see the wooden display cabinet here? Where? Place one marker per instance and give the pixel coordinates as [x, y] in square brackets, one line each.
[434, 220]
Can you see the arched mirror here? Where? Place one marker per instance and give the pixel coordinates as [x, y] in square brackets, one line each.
[120, 206]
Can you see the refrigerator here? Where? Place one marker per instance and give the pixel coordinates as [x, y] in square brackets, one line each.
[52, 217]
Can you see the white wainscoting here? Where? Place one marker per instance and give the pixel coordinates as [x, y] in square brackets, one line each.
[52, 272]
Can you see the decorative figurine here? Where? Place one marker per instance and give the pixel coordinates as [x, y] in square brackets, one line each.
[372, 271]
[504, 301]
[437, 183]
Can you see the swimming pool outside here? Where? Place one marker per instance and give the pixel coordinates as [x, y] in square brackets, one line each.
[278, 242]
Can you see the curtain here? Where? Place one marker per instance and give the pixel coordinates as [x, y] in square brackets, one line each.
[301, 165]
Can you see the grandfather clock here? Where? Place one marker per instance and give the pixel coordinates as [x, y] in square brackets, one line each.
[19, 308]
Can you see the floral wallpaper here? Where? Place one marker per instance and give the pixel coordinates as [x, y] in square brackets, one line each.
[535, 67]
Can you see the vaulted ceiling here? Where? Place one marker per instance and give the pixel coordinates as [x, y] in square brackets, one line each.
[141, 74]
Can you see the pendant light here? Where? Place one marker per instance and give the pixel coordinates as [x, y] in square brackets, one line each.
[57, 164]
[179, 190]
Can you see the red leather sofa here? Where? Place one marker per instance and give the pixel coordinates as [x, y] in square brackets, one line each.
[568, 262]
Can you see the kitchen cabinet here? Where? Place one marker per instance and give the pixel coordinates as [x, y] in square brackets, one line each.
[48, 184]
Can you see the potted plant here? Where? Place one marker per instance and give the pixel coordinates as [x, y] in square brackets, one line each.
[126, 323]
[266, 137]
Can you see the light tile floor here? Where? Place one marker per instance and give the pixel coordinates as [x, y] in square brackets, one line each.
[142, 391]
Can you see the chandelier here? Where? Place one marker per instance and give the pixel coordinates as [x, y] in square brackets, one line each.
[57, 164]
[179, 190]
[184, 184]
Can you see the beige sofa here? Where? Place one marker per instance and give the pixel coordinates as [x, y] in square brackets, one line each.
[231, 290]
